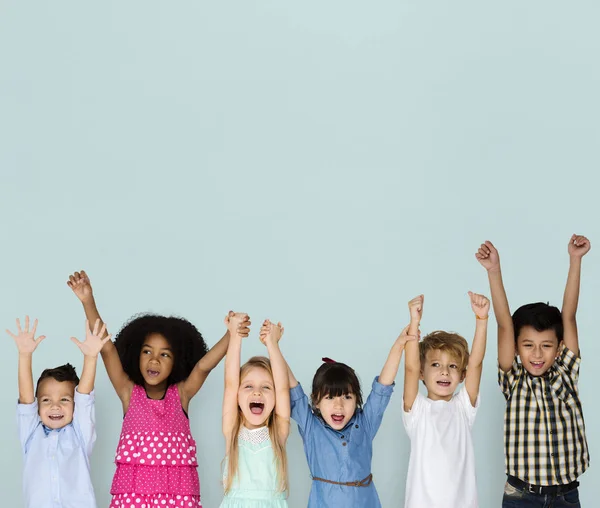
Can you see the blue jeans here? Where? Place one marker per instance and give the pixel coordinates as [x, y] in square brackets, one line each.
[517, 498]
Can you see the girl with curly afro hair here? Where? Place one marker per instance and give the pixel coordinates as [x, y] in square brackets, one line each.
[156, 365]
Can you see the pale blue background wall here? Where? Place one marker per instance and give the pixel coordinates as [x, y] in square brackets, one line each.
[318, 163]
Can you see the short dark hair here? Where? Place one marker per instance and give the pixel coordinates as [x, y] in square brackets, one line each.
[540, 316]
[65, 372]
[186, 342]
[335, 379]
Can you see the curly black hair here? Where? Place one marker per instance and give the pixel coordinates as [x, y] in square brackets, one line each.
[186, 342]
[65, 372]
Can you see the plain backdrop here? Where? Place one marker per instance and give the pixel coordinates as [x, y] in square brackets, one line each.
[317, 163]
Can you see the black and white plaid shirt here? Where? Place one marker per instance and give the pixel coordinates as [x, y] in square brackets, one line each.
[544, 431]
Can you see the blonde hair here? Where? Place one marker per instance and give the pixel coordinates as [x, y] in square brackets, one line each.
[277, 443]
[451, 343]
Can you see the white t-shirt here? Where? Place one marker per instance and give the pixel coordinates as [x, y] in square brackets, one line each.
[441, 471]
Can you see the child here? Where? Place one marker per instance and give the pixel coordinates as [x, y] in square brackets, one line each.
[156, 365]
[56, 424]
[441, 470]
[338, 432]
[256, 422]
[545, 448]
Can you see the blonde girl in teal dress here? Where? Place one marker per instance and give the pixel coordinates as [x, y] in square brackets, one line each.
[256, 422]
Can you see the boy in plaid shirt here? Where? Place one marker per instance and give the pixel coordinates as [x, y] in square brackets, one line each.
[545, 447]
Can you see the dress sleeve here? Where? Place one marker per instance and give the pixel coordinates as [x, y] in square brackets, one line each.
[376, 405]
[301, 411]
[508, 379]
[569, 363]
[27, 421]
[84, 420]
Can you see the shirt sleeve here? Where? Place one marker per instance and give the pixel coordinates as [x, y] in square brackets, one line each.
[27, 421]
[569, 362]
[301, 411]
[376, 404]
[507, 380]
[465, 402]
[84, 420]
[410, 419]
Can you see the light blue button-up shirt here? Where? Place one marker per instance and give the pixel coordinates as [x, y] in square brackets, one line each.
[56, 465]
[344, 455]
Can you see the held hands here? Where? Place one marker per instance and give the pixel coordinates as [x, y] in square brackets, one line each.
[238, 324]
[93, 343]
[415, 307]
[480, 305]
[25, 339]
[488, 257]
[79, 282]
[270, 332]
[579, 246]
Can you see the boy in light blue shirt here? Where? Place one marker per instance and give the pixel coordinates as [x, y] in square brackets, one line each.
[56, 424]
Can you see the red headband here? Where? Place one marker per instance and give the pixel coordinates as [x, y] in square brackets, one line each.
[328, 360]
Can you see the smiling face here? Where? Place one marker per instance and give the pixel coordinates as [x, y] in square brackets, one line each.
[56, 402]
[337, 411]
[256, 397]
[538, 350]
[441, 374]
[156, 363]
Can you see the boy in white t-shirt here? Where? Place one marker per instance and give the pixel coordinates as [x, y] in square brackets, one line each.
[441, 471]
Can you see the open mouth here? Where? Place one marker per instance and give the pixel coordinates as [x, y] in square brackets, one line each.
[257, 408]
[537, 365]
[337, 418]
[152, 373]
[444, 384]
[55, 418]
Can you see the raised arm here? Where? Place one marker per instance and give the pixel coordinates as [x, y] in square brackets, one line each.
[270, 334]
[481, 307]
[234, 323]
[412, 358]
[26, 345]
[579, 246]
[488, 257]
[90, 347]
[79, 282]
[390, 368]
[210, 360]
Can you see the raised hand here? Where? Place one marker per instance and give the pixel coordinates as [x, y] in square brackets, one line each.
[488, 257]
[415, 306]
[79, 282]
[404, 336]
[25, 339]
[93, 343]
[579, 246]
[270, 332]
[480, 305]
[238, 323]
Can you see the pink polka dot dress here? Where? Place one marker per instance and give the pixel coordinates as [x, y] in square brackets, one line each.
[156, 455]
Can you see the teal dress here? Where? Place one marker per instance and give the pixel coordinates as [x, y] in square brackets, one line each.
[256, 483]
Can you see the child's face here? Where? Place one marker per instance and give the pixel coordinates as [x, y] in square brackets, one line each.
[337, 411]
[441, 374]
[156, 360]
[538, 350]
[56, 402]
[256, 397]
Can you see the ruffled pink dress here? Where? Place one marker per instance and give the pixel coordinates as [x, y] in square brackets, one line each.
[156, 455]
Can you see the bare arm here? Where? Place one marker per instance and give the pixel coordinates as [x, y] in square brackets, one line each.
[26, 344]
[79, 282]
[270, 336]
[94, 342]
[390, 368]
[488, 256]
[412, 358]
[481, 307]
[579, 246]
[232, 378]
